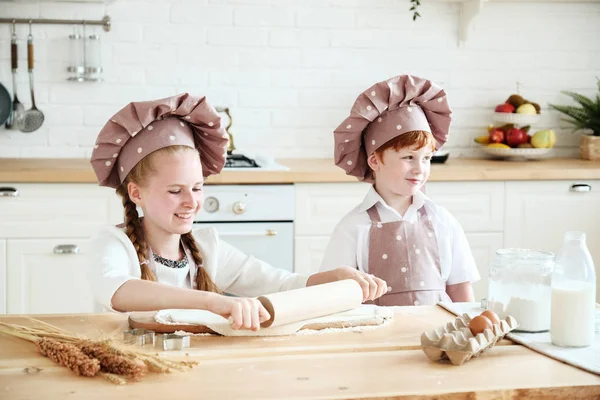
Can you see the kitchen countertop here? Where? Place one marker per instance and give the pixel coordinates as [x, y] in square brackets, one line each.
[379, 363]
[22, 170]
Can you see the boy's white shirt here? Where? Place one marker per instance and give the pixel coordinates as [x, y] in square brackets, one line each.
[349, 242]
[112, 261]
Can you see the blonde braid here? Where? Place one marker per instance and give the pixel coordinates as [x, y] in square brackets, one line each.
[203, 280]
[134, 231]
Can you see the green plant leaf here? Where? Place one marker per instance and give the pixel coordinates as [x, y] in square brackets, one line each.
[584, 116]
[585, 102]
[576, 113]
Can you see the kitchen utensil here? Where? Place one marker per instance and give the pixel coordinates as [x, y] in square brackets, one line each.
[16, 115]
[5, 105]
[33, 118]
[230, 145]
[336, 304]
[140, 337]
[202, 321]
[311, 302]
[171, 341]
[440, 157]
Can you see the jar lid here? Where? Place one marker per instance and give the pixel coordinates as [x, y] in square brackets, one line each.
[524, 254]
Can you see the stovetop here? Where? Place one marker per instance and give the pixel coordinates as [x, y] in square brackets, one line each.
[240, 161]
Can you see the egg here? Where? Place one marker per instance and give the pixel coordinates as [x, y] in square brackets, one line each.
[479, 324]
[492, 316]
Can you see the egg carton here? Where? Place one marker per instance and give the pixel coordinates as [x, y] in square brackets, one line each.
[456, 343]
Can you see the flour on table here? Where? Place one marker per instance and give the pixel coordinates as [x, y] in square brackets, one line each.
[363, 318]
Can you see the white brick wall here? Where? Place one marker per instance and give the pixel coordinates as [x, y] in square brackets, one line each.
[290, 69]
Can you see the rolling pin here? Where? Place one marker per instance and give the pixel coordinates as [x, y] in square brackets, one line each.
[311, 302]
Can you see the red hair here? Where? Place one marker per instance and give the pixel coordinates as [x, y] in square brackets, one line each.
[417, 139]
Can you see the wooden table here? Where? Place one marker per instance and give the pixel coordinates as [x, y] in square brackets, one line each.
[384, 363]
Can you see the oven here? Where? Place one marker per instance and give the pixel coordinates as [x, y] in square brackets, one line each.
[256, 219]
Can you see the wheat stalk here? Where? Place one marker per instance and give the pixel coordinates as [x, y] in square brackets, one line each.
[69, 356]
[87, 357]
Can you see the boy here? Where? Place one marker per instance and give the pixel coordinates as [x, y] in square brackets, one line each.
[397, 233]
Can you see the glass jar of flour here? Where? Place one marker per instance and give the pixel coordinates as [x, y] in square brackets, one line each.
[520, 286]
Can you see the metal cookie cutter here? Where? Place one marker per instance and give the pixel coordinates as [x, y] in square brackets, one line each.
[171, 341]
[140, 337]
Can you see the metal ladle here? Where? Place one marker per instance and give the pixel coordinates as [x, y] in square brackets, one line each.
[32, 118]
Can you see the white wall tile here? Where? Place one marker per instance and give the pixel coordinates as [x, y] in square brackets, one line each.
[291, 69]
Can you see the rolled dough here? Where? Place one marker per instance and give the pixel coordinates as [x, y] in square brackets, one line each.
[365, 315]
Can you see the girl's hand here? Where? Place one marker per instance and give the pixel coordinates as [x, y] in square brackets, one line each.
[242, 313]
[371, 286]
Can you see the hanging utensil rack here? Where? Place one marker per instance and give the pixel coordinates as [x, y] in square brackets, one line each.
[104, 22]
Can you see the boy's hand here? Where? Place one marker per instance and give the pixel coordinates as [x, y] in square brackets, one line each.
[372, 287]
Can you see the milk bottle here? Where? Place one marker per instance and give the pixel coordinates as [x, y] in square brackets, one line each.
[573, 294]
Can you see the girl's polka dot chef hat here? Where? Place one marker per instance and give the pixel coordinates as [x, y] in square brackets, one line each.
[141, 128]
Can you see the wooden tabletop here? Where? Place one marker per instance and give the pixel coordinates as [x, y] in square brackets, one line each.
[22, 170]
[381, 363]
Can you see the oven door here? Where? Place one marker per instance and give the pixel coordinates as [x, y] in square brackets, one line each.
[271, 242]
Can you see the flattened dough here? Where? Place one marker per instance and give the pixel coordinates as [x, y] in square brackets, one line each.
[365, 315]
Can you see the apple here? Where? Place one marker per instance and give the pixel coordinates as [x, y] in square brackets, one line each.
[515, 137]
[497, 136]
[526, 109]
[505, 108]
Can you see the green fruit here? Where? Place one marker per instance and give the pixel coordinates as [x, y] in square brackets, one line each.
[526, 108]
[544, 139]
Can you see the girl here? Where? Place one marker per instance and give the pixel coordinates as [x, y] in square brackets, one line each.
[156, 155]
[397, 233]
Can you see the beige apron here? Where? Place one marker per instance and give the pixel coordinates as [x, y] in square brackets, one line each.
[406, 255]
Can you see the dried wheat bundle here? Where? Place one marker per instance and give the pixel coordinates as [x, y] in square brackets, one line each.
[87, 357]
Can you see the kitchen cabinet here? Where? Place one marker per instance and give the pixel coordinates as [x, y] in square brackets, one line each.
[320, 206]
[36, 274]
[539, 213]
[47, 276]
[483, 246]
[309, 251]
[2, 276]
[57, 210]
[478, 206]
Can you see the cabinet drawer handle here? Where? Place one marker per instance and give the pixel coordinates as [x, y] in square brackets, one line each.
[8, 191]
[66, 249]
[581, 187]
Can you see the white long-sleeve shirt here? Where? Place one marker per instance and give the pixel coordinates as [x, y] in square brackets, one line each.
[112, 261]
[349, 242]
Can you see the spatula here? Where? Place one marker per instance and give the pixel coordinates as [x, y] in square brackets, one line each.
[33, 118]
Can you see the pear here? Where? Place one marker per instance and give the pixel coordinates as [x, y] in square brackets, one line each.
[543, 139]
